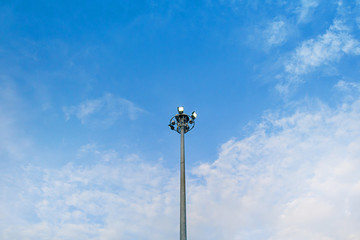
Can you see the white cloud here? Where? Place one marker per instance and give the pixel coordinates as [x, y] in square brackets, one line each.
[276, 33]
[122, 198]
[106, 110]
[306, 9]
[294, 177]
[348, 86]
[323, 50]
[12, 141]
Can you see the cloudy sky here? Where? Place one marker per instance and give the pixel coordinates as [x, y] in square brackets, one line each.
[87, 89]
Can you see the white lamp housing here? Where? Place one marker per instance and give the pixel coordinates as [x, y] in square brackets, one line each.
[194, 115]
[180, 110]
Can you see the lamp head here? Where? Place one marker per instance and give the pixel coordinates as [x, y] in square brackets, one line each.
[194, 115]
[180, 110]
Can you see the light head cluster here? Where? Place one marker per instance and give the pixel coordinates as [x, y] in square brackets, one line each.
[182, 121]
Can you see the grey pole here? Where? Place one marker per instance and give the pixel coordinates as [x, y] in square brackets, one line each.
[184, 123]
[182, 188]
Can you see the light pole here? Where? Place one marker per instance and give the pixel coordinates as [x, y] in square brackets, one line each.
[182, 123]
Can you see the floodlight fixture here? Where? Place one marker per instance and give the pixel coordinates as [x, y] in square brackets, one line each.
[180, 110]
[194, 115]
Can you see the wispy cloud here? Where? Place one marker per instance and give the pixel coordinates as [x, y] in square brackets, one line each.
[348, 86]
[123, 198]
[276, 32]
[306, 9]
[12, 142]
[106, 110]
[322, 50]
[326, 48]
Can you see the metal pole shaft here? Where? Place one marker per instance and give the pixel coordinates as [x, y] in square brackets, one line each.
[182, 188]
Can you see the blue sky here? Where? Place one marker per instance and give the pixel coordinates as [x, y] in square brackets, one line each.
[87, 89]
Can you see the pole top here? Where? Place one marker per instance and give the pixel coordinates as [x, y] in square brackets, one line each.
[182, 121]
